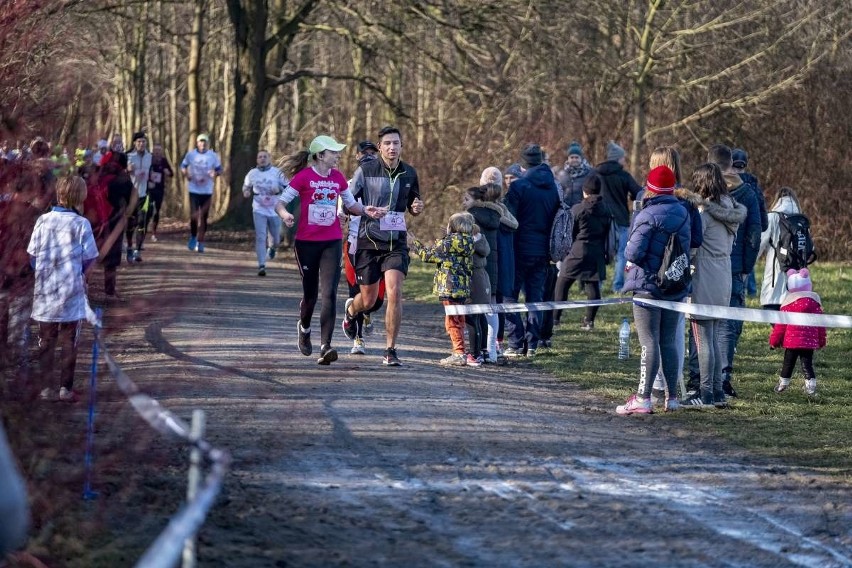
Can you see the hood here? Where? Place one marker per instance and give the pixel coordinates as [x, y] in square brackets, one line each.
[786, 205]
[609, 168]
[486, 213]
[541, 177]
[728, 212]
[506, 218]
[688, 196]
[732, 181]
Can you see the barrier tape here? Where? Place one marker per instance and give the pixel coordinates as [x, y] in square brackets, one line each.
[701, 310]
[166, 549]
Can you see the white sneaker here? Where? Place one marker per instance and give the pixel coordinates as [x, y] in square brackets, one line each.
[66, 395]
[810, 387]
[46, 394]
[154, 238]
[358, 347]
[783, 384]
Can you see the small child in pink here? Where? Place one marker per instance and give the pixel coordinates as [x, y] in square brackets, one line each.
[798, 341]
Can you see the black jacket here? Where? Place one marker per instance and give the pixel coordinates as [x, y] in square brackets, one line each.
[618, 185]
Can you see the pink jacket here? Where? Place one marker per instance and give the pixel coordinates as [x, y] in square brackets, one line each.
[799, 336]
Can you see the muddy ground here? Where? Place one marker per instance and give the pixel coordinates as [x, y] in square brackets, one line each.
[362, 465]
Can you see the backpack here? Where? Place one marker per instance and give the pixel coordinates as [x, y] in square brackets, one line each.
[561, 233]
[674, 275]
[795, 247]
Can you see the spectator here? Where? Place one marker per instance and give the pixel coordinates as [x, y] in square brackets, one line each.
[618, 186]
[573, 174]
[773, 289]
[505, 250]
[739, 159]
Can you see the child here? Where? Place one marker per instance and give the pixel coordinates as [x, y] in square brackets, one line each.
[453, 256]
[480, 293]
[798, 341]
[61, 249]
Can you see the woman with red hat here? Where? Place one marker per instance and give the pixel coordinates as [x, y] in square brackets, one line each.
[662, 215]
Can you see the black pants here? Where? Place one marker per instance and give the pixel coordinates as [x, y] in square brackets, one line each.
[65, 334]
[199, 209]
[155, 197]
[807, 358]
[319, 265]
[593, 292]
[477, 332]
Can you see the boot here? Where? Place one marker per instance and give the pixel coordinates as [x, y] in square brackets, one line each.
[782, 384]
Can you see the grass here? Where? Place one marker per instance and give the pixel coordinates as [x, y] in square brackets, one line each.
[799, 430]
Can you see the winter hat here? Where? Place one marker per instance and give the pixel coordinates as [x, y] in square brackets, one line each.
[514, 170]
[799, 280]
[532, 155]
[739, 158]
[138, 136]
[574, 149]
[491, 175]
[614, 152]
[661, 180]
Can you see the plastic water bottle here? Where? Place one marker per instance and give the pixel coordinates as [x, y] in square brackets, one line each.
[624, 340]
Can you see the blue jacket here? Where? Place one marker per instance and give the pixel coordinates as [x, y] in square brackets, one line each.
[747, 242]
[660, 216]
[533, 199]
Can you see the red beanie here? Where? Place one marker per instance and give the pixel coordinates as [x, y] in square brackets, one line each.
[661, 180]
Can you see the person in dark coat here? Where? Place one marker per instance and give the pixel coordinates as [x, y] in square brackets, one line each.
[617, 187]
[534, 200]
[122, 197]
[585, 260]
[505, 257]
[573, 174]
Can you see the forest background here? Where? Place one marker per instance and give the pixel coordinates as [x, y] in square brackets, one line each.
[467, 82]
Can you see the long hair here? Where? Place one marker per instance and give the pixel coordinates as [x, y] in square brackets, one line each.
[786, 192]
[666, 156]
[707, 181]
[294, 163]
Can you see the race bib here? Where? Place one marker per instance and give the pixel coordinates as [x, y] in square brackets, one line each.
[393, 221]
[321, 214]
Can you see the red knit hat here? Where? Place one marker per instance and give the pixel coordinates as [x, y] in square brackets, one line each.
[661, 180]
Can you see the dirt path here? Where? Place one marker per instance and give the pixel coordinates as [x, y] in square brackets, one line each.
[360, 465]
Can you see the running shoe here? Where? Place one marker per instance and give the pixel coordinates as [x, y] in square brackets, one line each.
[261, 271]
[455, 360]
[305, 346]
[193, 242]
[327, 355]
[350, 327]
[390, 359]
[810, 386]
[67, 395]
[635, 405]
[695, 401]
[782, 385]
[270, 253]
[200, 247]
[472, 361]
[154, 238]
[358, 347]
[368, 324]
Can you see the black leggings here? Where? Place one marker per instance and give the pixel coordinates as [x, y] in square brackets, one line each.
[156, 197]
[199, 208]
[790, 356]
[593, 292]
[319, 263]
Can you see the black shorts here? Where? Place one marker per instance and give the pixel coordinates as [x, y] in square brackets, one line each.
[371, 264]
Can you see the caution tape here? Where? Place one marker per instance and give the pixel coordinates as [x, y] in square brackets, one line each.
[700, 310]
[167, 548]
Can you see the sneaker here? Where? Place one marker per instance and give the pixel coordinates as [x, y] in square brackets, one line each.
[783, 384]
[130, 256]
[193, 242]
[66, 395]
[587, 325]
[694, 401]
[154, 238]
[200, 247]
[472, 361]
[327, 355]
[729, 388]
[545, 344]
[270, 253]
[513, 352]
[530, 353]
[350, 327]
[137, 256]
[261, 271]
[635, 405]
[672, 404]
[304, 339]
[46, 394]
[455, 360]
[499, 347]
[368, 325]
[658, 397]
[810, 386]
[390, 359]
[720, 402]
[358, 347]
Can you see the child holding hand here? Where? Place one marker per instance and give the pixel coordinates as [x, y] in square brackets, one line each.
[798, 341]
[453, 254]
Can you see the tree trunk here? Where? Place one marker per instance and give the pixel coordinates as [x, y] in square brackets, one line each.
[193, 82]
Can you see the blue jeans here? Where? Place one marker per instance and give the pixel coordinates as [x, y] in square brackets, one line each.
[530, 275]
[751, 285]
[730, 330]
[618, 272]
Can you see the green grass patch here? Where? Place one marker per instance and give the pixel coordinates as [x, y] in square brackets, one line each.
[800, 430]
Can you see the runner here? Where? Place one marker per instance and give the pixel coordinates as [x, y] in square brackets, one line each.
[265, 183]
[319, 237]
[201, 166]
[391, 187]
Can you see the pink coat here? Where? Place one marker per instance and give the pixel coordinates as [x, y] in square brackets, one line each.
[799, 336]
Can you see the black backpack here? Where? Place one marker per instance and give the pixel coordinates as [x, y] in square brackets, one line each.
[795, 247]
[674, 275]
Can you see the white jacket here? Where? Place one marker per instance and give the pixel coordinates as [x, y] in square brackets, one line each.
[773, 289]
